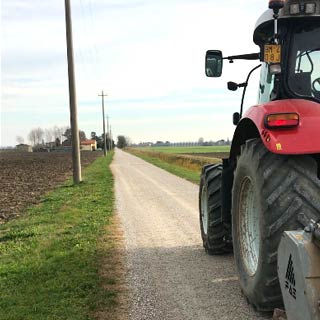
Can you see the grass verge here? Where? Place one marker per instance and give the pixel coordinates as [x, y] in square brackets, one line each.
[50, 258]
[196, 149]
[187, 167]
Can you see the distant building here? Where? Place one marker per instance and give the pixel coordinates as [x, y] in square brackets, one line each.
[24, 147]
[144, 144]
[66, 143]
[88, 145]
[50, 145]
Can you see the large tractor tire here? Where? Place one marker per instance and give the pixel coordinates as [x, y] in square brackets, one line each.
[271, 193]
[213, 232]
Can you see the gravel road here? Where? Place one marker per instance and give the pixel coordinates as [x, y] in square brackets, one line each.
[169, 274]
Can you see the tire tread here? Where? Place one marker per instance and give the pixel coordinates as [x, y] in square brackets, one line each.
[290, 192]
[216, 240]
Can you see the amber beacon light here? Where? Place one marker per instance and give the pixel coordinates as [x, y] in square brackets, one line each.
[276, 4]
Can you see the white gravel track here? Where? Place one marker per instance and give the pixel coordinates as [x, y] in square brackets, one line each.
[170, 276]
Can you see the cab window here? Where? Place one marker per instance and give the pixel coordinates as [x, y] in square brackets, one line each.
[266, 84]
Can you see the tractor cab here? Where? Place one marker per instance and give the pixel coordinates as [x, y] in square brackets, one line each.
[289, 41]
[291, 55]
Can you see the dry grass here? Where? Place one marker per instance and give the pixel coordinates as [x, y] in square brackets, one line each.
[194, 163]
[113, 273]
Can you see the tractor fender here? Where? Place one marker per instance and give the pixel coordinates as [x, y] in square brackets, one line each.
[303, 139]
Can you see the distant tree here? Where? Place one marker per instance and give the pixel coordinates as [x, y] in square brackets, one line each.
[128, 140]
[58, 132]
[122, 142]
[100, 142]
[57, 142]
[32, 137]
[82, 135]
[68, 135]
[20, 140]
[39, 135]
[93, 135]
[35, 136]
[49, 135]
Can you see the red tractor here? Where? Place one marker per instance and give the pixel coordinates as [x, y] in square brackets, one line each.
[271, 181]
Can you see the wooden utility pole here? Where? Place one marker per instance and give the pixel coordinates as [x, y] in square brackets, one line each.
[72, 99]
[108, 130]
[111, 137]
[104, 124]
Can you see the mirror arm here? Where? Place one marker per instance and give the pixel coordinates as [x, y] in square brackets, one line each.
[250, 56]
[245, 88]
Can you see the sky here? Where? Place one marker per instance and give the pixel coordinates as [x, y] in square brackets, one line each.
[146, 55]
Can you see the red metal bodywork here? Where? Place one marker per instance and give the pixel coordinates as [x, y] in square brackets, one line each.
[304, 139]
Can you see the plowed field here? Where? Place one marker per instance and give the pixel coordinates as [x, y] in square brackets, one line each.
[25, 177]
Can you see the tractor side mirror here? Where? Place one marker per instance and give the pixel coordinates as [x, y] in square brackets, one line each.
[232, 86]
[236, 118]
[214, 63]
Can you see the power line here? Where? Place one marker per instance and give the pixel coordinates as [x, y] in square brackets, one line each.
[91, 52]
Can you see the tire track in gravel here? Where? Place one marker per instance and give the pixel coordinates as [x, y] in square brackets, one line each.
[169, 274]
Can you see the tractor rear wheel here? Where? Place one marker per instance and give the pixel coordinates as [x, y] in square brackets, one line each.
[215, 237]
[271, 193]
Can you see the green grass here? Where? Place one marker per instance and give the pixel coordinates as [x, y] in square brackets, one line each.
[191, 175]
[50, 256]
[188, 149]
[174, 160]
[185, 162]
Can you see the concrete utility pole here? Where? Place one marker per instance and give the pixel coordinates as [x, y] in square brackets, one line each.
[104, 124]
[72, 99]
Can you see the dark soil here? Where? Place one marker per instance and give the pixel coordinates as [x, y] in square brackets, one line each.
[25, 177]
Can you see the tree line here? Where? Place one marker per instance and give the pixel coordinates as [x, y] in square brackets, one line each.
[123, 142]
[38, 136]
[61, 135]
